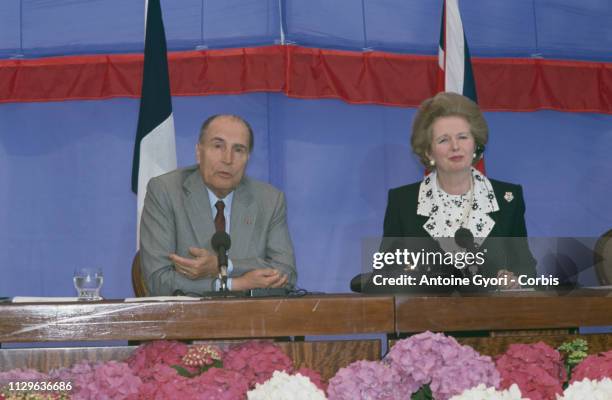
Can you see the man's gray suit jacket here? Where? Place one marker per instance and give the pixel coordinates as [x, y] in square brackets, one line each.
[177, 215]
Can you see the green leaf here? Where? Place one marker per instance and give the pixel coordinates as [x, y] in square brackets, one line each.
[215, 364]
[424, 393]
[183, 372]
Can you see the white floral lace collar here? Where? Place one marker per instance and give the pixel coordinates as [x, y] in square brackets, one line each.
[446, 212]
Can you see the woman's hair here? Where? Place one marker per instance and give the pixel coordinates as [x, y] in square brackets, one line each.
[446, 104]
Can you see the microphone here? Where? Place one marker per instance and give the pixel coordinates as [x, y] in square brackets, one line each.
[464, 238]
[221, 243]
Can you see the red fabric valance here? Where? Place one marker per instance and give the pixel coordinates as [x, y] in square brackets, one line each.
[368, 77]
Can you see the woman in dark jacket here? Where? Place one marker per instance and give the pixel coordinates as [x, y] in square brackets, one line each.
[455, 207]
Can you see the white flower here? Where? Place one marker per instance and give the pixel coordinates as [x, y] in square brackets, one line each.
[588, 389]
[481, 392]
[283, 386]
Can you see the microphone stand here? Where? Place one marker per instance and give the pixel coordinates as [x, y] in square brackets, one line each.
[222, 261]
[221, 243]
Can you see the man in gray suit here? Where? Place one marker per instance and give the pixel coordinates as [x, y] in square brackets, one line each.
[185, 207]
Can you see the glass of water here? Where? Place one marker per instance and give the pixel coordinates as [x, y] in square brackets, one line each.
[87, 282]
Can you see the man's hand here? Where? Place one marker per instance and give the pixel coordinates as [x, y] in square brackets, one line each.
[260, 278]
[203, 265]
[511, 279]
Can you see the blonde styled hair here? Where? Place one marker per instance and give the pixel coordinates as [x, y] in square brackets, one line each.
[446, 104]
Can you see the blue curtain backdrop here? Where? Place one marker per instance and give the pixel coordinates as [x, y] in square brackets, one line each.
[566, 29]
[65, 198]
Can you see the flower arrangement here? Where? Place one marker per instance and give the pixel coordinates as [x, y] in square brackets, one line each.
[283, 386]
[537, 369]
[442, 363]
[424, 366]
[481, 392]
[588, 389]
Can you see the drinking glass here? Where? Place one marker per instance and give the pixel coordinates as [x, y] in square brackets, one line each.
[87, 282]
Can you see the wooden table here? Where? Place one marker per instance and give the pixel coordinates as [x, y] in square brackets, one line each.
[211, 319]
[504, 318]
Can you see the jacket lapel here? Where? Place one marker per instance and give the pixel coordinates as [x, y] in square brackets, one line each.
[244, 212]
[197, 207]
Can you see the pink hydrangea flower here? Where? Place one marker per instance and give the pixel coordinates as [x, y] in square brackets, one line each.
[466, 370]
[365, 380]
[220, 384]
[214, 384]
[256, 361]
[419, 356]
[101, 381]
[156, 352]
[22, 375]
[594, 367]
[168, 385]
[443, 363]
[537, 369]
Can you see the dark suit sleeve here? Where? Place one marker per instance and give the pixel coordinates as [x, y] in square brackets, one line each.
[519, 227]
[392, 225]
[521, 259]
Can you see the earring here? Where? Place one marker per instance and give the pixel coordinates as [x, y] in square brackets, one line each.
[475, 156]
[432, 163]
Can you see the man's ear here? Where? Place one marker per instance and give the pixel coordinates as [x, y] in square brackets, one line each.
[197, 152]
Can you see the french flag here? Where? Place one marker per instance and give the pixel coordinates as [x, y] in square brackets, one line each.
[455, 66]
[155, 146]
